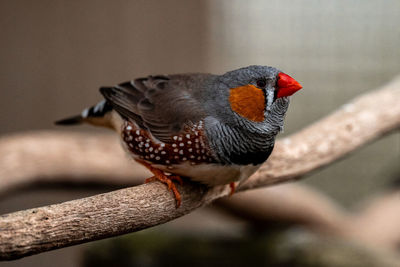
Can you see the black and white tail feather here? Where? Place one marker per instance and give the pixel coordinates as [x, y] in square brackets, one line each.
[91, 115]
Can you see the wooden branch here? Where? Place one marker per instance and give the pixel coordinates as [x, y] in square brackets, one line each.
[47, 156]
[36, 230]
[379, 222]
[375, 225]
[288, 204]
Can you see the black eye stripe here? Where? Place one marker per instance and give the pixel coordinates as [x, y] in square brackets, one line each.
[275, 94]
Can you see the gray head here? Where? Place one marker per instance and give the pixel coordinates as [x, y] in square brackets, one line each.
[257, 96]
[249, 107]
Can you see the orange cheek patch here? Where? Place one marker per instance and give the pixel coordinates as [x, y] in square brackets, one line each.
[248, 101]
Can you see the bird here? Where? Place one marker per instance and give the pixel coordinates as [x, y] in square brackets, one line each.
[211, 129]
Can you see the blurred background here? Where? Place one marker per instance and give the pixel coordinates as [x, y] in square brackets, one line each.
[55, 55]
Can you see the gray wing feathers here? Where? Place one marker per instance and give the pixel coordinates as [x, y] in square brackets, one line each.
[160, 104]
[123, 100]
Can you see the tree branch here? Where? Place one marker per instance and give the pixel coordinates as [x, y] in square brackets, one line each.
[288, 204]
[36, 230]
[47, 156]
[376, 224]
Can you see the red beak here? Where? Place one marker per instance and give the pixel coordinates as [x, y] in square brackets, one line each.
[287, 85]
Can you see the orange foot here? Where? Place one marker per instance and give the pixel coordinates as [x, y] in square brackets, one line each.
[166, 179]
[232, 185]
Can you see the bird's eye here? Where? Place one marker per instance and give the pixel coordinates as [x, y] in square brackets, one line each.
[261, 83]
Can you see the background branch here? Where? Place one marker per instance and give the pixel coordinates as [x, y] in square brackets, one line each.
[288, 204]
[378, 222]
[79, 157]
[36, 230]
[375, 224]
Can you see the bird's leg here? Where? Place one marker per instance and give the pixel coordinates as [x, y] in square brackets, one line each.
[232, 185]
[159, 175]
[169, 177]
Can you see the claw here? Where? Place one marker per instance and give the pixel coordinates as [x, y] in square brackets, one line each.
[150, 179]
[232, 185]
[166, 179]
[176, 178]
